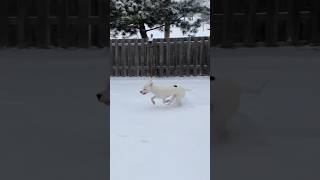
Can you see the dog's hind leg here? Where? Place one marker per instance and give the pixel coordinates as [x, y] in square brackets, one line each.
[172, 99]
[165, 101]
[152, 100]
[177, 101]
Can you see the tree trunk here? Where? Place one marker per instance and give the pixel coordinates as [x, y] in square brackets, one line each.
[143, 31]
[167, 30]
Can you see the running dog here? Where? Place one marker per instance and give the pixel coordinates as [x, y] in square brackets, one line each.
[169, 95]
[225, 103]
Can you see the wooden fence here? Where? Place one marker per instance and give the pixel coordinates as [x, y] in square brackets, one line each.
[62, 23]
[265, 22]
[161, 57]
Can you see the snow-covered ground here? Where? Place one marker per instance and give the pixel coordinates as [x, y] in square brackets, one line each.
[156, 141]
[276, 134]
[52, 126]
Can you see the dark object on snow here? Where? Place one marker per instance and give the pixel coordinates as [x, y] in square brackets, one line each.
[99, 96]
[102, 97]
[212, 78]
[175, 86]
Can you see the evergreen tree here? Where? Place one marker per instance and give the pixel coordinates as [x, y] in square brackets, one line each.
[132, 16]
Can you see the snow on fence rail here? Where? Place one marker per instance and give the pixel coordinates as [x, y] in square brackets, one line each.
[265, 22]
[62, 23]
[161, 57]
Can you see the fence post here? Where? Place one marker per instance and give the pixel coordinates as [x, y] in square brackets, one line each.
[143, 61]
[161, 69]
[20, 23]
[124, 57]
[293, 22]
[271, 29]
[62, 23]
[188, 57]
[180, 57]
[43, 12]
[104, 16]
[130, 58]
[202, 55]
[136, 58]
[4, 23]
[227, 24]
[250, 28]
[83, 23]
[116, 57]
[315, 13]
[168, 56]
[194, 56]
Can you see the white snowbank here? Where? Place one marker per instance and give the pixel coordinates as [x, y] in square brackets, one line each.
[156, 141]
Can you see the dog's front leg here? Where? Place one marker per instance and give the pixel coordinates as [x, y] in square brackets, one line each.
[172, 99]
[152, 100]
[165, 101]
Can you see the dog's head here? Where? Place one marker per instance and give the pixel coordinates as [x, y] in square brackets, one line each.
[147, 88]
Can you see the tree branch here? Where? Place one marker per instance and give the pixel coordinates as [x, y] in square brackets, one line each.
[158, 27]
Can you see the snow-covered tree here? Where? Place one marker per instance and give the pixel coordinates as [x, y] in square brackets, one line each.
[133, 16]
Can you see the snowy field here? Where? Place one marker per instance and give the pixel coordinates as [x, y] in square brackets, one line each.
[156, 141]
[50, 116]
[276, 134]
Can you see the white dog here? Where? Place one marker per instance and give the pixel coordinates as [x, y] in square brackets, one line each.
[168, 95]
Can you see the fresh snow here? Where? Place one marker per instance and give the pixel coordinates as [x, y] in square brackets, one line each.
[158, 141]
[52, 126]
[276, 134]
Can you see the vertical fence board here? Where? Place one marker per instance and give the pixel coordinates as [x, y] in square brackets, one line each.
[315, 13]
[175, 56]
[130, 58]
[135, 58]
[83, 23]
[168, 56]
[202, 55]
[227, 24]
[194, 57]
[4, 23]
[250, 28]
[188, 70]
[180, 58]
[161, 61]
[62, 23]
[271, 31]
[112, 51]
[143, 58]
[20, 23]
[292, 22]
[116, 57]
[43, 9]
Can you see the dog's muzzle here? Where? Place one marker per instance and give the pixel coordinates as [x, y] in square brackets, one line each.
[143, 93]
